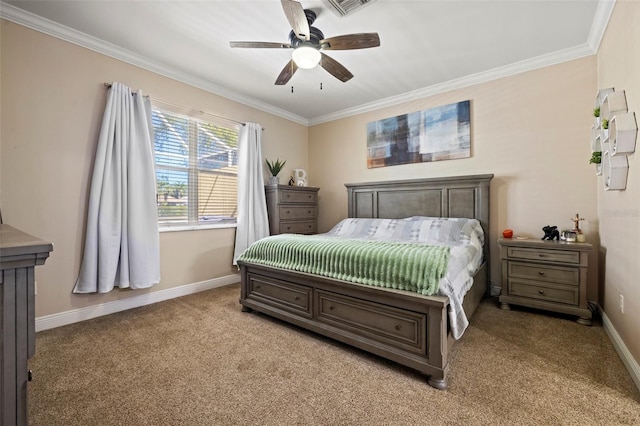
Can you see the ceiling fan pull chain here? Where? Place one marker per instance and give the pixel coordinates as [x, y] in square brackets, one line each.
[291, 89]
[320, 85]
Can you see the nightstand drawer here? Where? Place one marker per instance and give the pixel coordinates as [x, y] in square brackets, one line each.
[554, 274]
[558, 293]
[302, 227]
[293, 196]
[288, 212]
[562, 256]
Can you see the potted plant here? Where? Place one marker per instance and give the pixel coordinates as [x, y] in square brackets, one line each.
[596, 112]
[274, 168]
[605, 123]
[596, 157]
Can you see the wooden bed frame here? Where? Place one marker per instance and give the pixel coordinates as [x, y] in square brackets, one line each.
[401, 326]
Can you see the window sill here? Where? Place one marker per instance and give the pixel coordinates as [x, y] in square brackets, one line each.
[176, 228]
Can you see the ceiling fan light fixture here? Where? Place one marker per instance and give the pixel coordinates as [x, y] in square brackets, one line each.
[306, 57]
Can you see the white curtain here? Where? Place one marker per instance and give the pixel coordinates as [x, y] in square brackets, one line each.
[122, 245]
[253, 223]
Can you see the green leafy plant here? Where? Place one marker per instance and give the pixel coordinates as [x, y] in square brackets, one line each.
[596, 157]
[596, 112]
[276, 166]
[605, 123]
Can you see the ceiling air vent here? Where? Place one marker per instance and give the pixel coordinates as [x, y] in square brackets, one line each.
[346, 7]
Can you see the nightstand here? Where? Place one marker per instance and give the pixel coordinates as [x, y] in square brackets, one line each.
[292, 209]
[549, 275]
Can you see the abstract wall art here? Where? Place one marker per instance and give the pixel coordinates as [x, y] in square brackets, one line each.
[440, 133]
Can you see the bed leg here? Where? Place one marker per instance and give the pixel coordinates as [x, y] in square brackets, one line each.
[440, 384]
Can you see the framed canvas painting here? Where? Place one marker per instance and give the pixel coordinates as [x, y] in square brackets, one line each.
[440, 133]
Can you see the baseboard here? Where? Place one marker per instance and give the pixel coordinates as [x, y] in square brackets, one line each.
[627, 359]
[76, 315]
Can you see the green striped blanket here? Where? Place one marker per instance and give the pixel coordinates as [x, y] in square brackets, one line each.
[402, 266]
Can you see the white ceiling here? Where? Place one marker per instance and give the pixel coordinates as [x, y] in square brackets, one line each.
[426, 46]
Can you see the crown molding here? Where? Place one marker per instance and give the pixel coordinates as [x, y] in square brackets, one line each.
[598, 27]
[29, 20]
[459, 83]
[600, 22]
[62, 32]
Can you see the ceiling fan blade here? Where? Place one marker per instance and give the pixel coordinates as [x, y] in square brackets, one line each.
[351, 41]
[259, 44]
[286, 73]
[334, 68]
[297, 18]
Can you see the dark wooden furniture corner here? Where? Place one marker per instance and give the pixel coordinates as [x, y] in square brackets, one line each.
[19, 254]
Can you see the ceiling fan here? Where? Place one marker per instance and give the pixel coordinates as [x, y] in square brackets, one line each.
[308, 44]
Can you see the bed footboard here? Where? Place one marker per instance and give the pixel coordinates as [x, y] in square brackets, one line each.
[404, 327]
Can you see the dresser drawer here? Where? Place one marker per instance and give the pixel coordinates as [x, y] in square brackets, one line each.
[301, 227]
[377, 322]
[297, 196]
[288, 296]
[560, 294]
[562, 256]
[297, 212]
[554, 274]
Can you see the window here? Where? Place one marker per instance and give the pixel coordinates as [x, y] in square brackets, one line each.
[196, 170]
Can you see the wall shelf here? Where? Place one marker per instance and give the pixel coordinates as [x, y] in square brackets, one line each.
[613, 103]
[615, 142]
[622, 134]
[614, 171]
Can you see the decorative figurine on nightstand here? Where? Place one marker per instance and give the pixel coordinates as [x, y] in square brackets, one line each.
[292, 182]
[550, 232]
[576, 228]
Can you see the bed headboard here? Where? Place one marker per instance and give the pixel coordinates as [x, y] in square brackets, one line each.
[457, 196]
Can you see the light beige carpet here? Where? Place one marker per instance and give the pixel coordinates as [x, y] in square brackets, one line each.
[199, 360]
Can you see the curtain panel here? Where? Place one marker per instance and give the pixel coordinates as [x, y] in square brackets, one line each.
[122, 242]
[253, 222]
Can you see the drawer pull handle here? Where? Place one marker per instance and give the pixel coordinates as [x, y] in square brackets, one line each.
[398, 327]
[309, 226]
[309, 211]
[540, 254]
[296, 298]
[331, 308]
[288, 228]
[540, 273]
[541, 291]
[288, 196]
[258, 286]
[288, 212]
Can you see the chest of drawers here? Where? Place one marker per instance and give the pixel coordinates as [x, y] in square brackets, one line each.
[549, 275]
[292, 209]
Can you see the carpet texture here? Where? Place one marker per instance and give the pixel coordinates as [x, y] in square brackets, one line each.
[199, 360]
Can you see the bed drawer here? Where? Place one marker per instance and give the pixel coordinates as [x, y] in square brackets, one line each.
[293, 196]
[297, 212]
[299, 227]
[556, 274]
[373, 321]
[560, 294]
[287, 296]
[562, 256]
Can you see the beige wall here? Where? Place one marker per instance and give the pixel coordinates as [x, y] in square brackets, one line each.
[619, 211]
[531, 130]
[52, 103]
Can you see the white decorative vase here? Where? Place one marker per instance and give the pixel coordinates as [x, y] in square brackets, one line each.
[273, 180]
